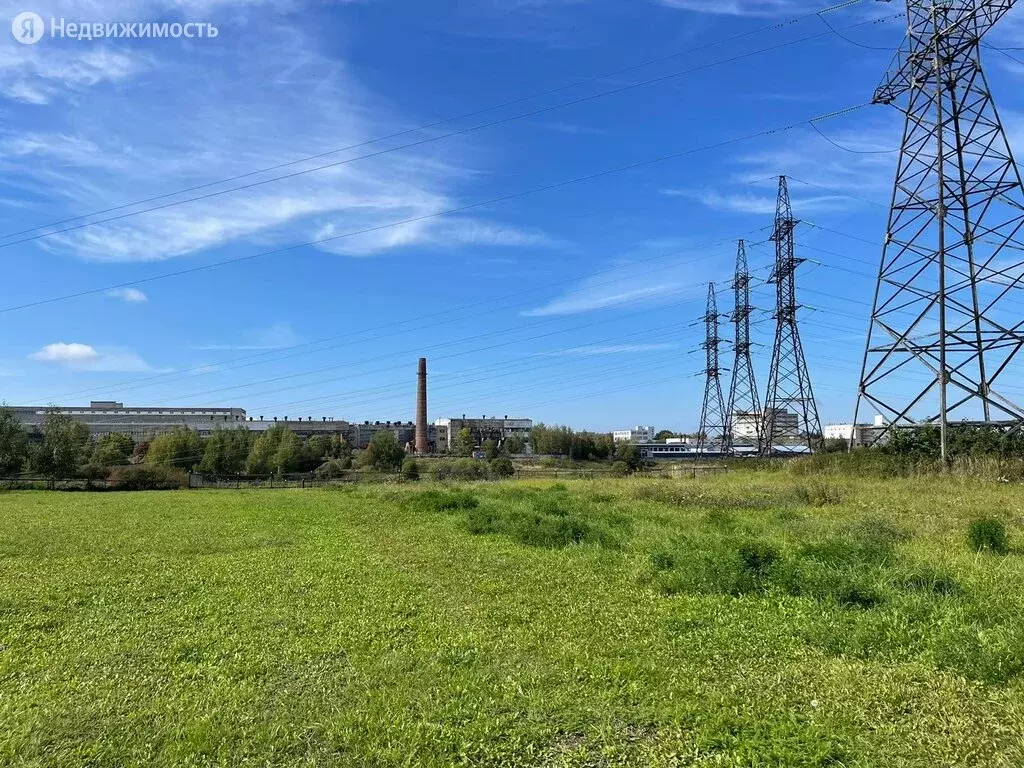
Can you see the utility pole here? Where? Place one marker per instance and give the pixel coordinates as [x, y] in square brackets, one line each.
[714, 423]
[951, 262]
[790, 413]
[744, 401]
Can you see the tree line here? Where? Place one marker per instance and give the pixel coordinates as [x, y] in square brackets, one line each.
[64, 448]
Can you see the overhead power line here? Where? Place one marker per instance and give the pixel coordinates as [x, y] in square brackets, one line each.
[445, 121]
[459, 209]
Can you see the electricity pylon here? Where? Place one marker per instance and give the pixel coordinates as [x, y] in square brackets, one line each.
[943, 330]
[713, 435]
[790, 415]
[744, 401]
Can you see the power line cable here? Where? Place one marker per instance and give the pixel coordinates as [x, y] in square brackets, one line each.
[438, 214]
[360, 336]
[435, 124]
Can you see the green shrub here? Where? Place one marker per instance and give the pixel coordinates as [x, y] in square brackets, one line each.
[662, 561]
[857, 595]
[550, 531]
[987, 534]
[93, 471]
[818, 493]
[620, 468]
[147, 477]
[480, 520]
[501, 467]
[758, 558]
[410, 469]
[468, 469]
[928, 580]
[332, 469]
[444, 501]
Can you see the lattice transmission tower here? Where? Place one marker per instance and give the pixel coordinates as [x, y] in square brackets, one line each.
[943, 329]
[713, 435]
[744, 409]
[790, 420]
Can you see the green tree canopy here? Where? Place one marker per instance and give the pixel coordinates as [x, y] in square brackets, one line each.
[113, 449]
[384, 453]
[464, 442]
[226, 451]
[13, 443]
[64, 446]
[182, 448]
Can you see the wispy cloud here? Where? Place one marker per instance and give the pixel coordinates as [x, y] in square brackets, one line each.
[130, 295]
[85, 357]
[277, 336]
[755, 204]
[588, 299]
[40, 74]
[608, 349]
[742, 7]
[123, 139]
[572, 129]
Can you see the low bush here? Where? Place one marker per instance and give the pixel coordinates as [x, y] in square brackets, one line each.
[94, 472]
[928, 580]
[988, 534]
[410, 469]
[818, 493]
[501, 467]
[443, 501]
[332, 469]
[147, 477]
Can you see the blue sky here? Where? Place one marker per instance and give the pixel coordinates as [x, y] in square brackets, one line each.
[573, 305]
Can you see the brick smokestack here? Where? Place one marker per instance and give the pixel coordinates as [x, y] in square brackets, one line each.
[421, 408]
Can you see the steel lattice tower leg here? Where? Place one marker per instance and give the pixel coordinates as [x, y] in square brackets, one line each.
[743, 398]
[952, 254]
[790, 413]
[713, 435]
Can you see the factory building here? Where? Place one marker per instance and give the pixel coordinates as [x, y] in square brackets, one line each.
[862, 434]
[747, 424]
[634, 435]
[106, 416]
[482, 429]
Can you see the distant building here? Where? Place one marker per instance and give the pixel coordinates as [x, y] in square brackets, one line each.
[862, 434]
[105, 416]
[666, 450]
[634, 435]
[745, 425]
[482, 429]
[143, 423]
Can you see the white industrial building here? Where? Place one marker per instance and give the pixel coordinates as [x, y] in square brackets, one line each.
[862, 434]
[634, 435]
[495, 428]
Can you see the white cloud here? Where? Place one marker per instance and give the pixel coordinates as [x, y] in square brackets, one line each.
[286, 100]
[71, 354]
[131, 295]
[84, 357]
[40, 74]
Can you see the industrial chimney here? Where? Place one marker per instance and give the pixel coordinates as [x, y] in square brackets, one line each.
[421, 408]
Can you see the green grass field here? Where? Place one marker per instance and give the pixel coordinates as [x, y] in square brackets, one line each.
[742, 620]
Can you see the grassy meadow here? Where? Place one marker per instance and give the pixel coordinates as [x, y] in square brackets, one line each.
[749, 619]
